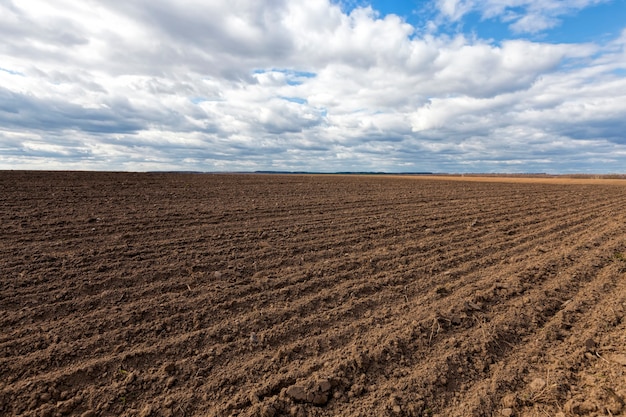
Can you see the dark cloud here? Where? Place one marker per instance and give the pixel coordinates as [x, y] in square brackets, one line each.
[609, 130]
[28, 112]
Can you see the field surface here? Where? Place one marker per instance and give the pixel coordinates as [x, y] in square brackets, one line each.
[301, 295]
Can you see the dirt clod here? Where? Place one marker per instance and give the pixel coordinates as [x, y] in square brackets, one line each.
[579, 407]
[507, 412]
[510, 400]
[324, 385]
[537, 384]
[590, 345]
[297, 393]
[169, 368]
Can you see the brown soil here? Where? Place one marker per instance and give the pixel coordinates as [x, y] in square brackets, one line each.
[251, 295]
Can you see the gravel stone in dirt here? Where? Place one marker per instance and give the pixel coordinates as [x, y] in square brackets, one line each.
[128, 294]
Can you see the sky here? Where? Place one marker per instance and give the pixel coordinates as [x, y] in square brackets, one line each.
[455, 86]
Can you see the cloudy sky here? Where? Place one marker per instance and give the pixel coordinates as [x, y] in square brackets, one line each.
[317, 85]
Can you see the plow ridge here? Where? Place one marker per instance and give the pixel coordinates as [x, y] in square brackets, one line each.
[253, 295]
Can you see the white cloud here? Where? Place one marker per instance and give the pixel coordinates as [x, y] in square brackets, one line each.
[276, 84]
[523, 16]
[455, 9]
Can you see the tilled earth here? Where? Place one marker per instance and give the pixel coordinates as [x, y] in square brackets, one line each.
[300, 295]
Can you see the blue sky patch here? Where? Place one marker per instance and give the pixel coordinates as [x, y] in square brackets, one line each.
[8, 71]
[295, 100]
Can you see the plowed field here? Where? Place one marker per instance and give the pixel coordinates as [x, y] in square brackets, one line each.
[295, 295]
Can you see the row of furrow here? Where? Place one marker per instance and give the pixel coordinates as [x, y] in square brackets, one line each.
[144, 254]
[302, 308]
[280, 284]
[347, 241]
[462, 256]
[144, 236]
[551, 209]
[551, 290]
[233, 308]
[561, 333]
[616, 235]
[461, 261]
[508, 314]
[122, 289]
[557, 261]
[272, 212]
[135, 344]
[282, 321]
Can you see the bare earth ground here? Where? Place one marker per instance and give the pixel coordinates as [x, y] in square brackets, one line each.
[251, 295]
